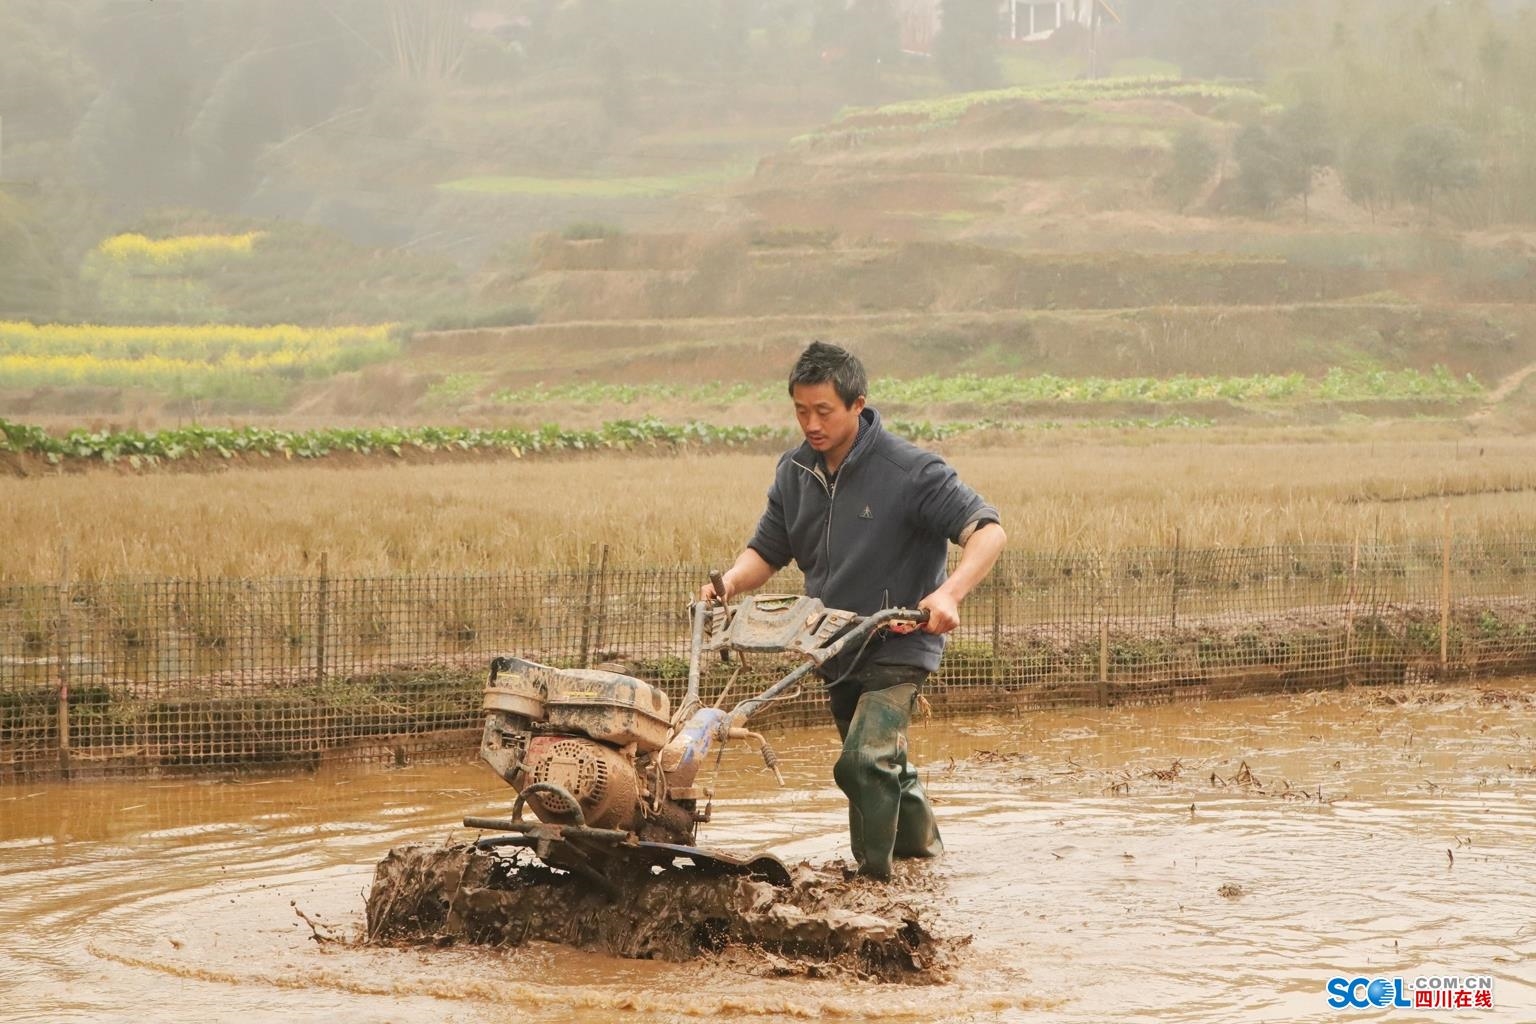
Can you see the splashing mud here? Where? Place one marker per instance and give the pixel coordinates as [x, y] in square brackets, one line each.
[826, 923]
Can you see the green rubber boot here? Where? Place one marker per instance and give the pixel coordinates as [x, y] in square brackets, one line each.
[917, 831]
[888, 812]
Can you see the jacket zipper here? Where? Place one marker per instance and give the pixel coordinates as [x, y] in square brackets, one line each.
[831, 501]
[831, 490]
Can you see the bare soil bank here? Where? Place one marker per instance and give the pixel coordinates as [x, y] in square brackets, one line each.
[1486, 341]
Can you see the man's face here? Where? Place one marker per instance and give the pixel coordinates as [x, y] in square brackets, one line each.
[829, 426]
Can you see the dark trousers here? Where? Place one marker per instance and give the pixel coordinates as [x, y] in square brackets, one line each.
[888, 811]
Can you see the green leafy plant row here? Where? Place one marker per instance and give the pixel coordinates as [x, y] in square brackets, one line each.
[228, 442]
[140, 449]
[925, 431]
[1338, 384]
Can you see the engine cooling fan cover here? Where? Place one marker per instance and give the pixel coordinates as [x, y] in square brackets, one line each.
[601, 779]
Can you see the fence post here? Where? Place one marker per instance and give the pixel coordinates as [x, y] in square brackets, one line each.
[1101, 691]
[1349, 610]
[586, 609]
[322, 616]
[1445, 592]
[997, 629]
[600, 613]
[62, 648]
[1173, 611]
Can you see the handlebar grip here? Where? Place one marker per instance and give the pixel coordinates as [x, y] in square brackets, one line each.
[717, 580]
[889, 615]
[917, 615]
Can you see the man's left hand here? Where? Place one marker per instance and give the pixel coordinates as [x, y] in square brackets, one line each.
[943, 612]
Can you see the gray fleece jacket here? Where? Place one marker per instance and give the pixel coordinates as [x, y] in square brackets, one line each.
[872, 537]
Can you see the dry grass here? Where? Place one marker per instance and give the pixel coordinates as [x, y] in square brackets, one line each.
[1056, 494]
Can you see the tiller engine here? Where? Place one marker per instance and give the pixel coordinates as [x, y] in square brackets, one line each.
[609, 769]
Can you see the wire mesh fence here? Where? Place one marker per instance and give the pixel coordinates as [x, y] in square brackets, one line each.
[162, 675]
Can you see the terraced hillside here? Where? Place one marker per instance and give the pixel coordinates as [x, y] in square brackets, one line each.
[1017, 233]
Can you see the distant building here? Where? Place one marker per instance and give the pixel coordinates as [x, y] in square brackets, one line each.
[1030, 20]
[1017, 20]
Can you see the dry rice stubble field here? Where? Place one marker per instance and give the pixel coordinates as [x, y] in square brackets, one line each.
[1057, 494]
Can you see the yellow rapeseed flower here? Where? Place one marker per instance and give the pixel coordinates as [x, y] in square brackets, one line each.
[176, 249]
[179, 354]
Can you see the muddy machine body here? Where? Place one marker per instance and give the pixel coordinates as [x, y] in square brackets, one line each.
[609, 769]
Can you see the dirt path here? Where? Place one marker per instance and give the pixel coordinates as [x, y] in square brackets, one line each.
[1506, 387]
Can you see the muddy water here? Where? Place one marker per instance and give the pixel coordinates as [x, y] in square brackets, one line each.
[1183, 863]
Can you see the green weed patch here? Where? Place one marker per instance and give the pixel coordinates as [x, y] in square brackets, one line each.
[936, 111]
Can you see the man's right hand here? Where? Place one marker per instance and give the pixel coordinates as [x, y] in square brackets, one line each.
[747, 574]
[707, 592]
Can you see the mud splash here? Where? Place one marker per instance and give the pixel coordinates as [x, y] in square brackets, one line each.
[825, 923]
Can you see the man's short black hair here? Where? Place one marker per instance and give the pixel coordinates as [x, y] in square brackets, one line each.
[821, 362]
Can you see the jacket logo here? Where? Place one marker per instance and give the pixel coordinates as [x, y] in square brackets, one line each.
[866, 514]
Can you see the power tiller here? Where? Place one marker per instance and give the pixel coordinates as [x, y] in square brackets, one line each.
[610, 771]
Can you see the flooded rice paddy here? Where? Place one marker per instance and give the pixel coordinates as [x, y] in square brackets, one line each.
[1216, 862]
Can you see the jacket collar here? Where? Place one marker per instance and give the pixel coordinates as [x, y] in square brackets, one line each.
[809, 459]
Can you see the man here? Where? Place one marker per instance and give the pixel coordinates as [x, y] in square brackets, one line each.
[866, 516]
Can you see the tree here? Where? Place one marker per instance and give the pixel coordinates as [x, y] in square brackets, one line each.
[129, 143]
[168, 129]
[45, 83]
[290, 76]
[1279, 160]
[32, 271]
[1193, 160]
[1366, 168]
[1263, 178]
[966, 47]
[1303, 133]
[1435, 158]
